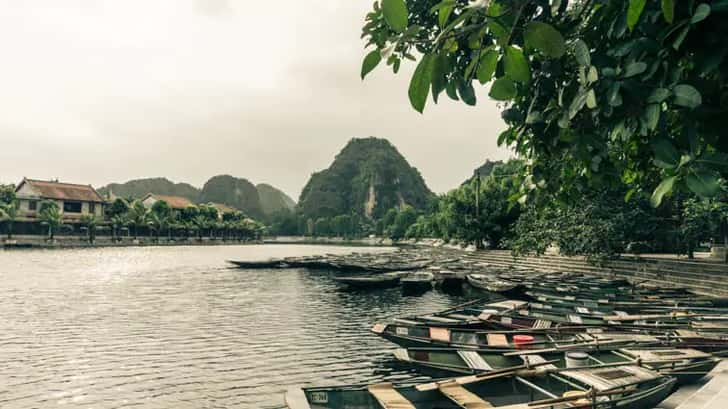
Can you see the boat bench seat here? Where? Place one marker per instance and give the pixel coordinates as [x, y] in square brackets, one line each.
[497, 340]
[474, 361]
[537, 359]
[463, 397]
[388, 397]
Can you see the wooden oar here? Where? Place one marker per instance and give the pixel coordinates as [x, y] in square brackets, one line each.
[590, 394]
[566, 347]
[647, 317]
[463, 305]
[464, 380]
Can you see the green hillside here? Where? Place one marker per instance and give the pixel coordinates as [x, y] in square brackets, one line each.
[234, 192]
[141, 187]
[368, 177]
[273, 200]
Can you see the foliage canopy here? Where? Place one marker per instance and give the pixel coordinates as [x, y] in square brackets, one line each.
[594, 92]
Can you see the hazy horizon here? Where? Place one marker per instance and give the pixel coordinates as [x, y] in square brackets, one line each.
[101, 91]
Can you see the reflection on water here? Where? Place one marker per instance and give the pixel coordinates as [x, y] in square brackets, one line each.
[176, 328]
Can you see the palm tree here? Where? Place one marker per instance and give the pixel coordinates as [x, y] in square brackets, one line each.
[89, 222]
[8, 214]
[174, 225]
[50, 215]
[200, 222]
[157, 223]
[117, 222]
[136, 216]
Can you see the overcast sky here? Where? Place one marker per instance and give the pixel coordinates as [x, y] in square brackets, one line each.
[99, 91]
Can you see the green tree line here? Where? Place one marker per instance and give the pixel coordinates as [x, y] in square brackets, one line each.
[132, 216]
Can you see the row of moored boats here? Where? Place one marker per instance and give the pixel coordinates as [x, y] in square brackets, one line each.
[555, 341]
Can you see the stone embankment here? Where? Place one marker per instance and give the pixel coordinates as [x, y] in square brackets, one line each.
[704, 276]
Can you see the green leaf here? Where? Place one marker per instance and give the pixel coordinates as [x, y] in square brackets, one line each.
[488, 63]
[629, 194]
[516, 65]
[439, 82]
[687, 96]
[370, 62]
[592, 76]
[613, 97]
[701, 13]
[577, 104]
[496, 28]
[681, 37]
[444, 14]
[668, 10]
[544, 38]
[634, 12]
[591, 99]
[635, 68]
[466, 92]
[684, 160]
[503, 89]
[665, 152]
[703, 183]
[395, 14]
[652, 116]
[658, 95]
[717, 161]
[581, 52]
[663, 189]
[451, 91]
[419, 87]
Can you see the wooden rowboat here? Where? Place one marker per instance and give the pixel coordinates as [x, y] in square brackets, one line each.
[491, 284]
[263, 264]
[687, 365]
[417, 281]
[408, 335]
[608, 386]
[369, 281]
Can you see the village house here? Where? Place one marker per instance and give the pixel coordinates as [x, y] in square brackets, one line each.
[74, 201]
[176, 203]
[222, 209]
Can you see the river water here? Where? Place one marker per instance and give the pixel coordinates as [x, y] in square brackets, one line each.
[175, 327]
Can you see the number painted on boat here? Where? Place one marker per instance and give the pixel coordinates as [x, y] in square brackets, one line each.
[402, 331]
[319, 397]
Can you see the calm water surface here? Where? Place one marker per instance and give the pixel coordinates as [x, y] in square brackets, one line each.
[174, 327]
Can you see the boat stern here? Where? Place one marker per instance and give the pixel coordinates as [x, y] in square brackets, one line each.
[379, 328]
[295, 398]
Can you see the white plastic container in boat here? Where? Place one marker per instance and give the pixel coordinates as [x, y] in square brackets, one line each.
[577, 359]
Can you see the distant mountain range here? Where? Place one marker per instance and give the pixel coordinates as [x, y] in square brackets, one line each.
[255, 201]
[368, 177]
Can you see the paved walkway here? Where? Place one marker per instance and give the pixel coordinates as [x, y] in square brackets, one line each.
[710, 393]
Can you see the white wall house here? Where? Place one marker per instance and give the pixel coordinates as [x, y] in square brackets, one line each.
[73, 200]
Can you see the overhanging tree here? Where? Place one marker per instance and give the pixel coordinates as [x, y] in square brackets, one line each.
[595, 92]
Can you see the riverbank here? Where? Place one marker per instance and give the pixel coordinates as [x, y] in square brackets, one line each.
[75, 242]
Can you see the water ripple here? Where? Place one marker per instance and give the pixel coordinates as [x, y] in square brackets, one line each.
[176, 327]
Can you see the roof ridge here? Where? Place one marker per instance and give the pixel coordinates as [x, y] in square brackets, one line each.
[58, 183]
